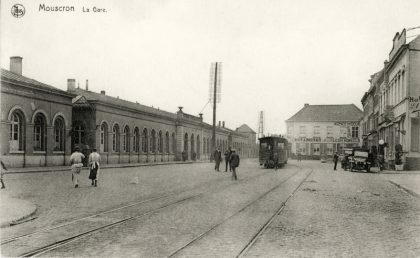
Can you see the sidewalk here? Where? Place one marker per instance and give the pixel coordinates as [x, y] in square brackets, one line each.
[13, 210]
[103, 166]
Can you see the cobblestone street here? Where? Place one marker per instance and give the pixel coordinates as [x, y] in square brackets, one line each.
[191, 210]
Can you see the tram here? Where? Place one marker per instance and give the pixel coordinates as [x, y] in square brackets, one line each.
[273, 151]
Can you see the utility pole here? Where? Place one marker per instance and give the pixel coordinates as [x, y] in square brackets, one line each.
[213, 141]
[214, 95]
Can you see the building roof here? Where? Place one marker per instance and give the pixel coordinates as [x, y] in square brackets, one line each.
[25, 81]
[245, 129]
[93, 96]
[327, 113]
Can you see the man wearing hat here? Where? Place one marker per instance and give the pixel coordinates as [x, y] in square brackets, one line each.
[234, 162]
[76, 165]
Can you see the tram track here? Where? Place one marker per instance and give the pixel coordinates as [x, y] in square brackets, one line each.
[260, 231]
[94, 229]
[267, 224]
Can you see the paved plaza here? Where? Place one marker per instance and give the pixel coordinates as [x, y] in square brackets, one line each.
[186, 210]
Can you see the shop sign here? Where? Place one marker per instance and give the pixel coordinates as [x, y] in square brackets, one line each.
[414, 104]
[346, 123]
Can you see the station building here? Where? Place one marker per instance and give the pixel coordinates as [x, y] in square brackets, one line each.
[318, 131]
[36, 119]
[43, 124]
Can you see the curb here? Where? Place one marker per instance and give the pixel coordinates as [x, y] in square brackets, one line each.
[16, 220]
[128, 165]
[405, 189]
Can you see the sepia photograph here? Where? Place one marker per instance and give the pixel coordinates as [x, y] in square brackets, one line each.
[224, 128]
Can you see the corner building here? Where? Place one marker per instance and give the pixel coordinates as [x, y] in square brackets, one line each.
[318, 131]
[36, 119]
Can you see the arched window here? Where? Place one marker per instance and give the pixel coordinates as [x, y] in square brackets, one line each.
[126, 139]
[17, 128]
[104, 137]
[78, 133]
[116, 138]
[186, 142]
[198, 146]
[173, 143]
[160, 142]
[145, 141]
[136, 140]
[193, 155]
[153, 141]
[59, 134]
[167, 142]
[39, 133]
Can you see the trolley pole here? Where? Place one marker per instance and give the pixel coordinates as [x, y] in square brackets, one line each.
[213, 141]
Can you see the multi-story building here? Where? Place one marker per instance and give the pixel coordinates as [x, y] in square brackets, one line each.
[371, 111]
[320, 130]
[41, 124]
[395, 91]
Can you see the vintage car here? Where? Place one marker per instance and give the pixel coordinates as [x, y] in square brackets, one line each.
[360, 160]
[345, 158]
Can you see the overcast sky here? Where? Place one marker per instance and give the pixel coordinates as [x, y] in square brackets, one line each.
[276, 55]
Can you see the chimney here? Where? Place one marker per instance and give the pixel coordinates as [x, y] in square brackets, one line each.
[102, 92]
[16, 64]
[87, 84]
[71, 84]
[306, 105]
[223, 124]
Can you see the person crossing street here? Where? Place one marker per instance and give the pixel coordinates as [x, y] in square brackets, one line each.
[76, 165]
[217, 159]
[227, 153]
[94, 159]
[234, 162]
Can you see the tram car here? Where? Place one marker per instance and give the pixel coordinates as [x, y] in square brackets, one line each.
[273, 151]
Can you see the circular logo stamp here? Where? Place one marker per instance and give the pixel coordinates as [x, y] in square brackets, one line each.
[18, 10]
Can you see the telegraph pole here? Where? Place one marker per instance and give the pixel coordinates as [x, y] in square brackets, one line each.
[214, 96]
[213, 141]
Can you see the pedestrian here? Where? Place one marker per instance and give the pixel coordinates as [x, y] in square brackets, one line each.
[94, 159]
[228, 152]
[3, 167]
[335, 160]
[299, 156]
[76, 166]
[217, 159]
[276, 161]
[234, 162]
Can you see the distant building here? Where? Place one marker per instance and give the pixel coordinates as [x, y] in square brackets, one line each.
[251, 145]
[320, 130]
[392, 104]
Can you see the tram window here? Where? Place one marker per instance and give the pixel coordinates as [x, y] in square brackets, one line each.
[280, 145]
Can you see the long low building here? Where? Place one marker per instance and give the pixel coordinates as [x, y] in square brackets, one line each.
[43, 124]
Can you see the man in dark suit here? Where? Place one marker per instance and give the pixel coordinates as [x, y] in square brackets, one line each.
[217, 159]
[335, 160]
[228, 152]
[234, 162]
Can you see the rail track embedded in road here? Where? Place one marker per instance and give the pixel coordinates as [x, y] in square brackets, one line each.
[239, 211]
[67, 240]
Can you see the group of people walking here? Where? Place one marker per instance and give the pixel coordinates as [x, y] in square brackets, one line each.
[231, 159]
[76, 162]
